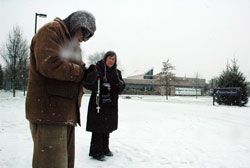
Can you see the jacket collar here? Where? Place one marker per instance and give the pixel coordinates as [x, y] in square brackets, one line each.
[62, 23]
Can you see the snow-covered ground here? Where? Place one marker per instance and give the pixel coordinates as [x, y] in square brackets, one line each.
[181, 132]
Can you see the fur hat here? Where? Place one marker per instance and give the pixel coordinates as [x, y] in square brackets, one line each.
[81, 19]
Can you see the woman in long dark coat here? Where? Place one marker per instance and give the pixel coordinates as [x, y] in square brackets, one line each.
[101, 123]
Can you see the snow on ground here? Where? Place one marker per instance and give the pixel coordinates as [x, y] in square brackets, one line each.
[181, 132]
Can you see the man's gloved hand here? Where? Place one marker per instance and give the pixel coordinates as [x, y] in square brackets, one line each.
[83, 67]
[91, 68]
[90, 75]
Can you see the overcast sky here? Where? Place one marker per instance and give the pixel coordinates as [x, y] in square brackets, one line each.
[196, 35]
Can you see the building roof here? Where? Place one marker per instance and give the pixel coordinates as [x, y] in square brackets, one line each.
[139, 74]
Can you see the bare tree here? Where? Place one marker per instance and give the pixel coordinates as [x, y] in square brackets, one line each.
[15, 55]
[166, 74]
[94, 58]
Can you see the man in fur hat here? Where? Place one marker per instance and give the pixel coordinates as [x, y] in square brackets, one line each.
[55, 88]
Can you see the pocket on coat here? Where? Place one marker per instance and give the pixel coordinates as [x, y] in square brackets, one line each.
[62, 88]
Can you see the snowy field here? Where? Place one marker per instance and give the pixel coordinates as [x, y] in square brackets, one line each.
[181, 132]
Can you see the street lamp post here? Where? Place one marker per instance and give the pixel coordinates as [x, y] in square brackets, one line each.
[167, 88]
[40, 15]
[14, 76]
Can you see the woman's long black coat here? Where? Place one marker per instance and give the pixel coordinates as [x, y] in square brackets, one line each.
[106, 120]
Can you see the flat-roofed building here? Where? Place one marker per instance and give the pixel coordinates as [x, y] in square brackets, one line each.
[148, 83]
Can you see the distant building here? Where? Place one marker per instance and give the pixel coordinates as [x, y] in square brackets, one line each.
[141, 82]
[148, 83]
[147, 75]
